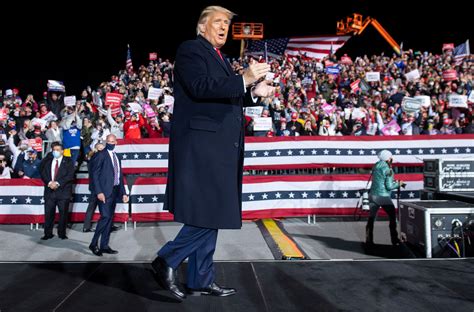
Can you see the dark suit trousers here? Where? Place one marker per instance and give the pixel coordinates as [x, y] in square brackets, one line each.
[51, 202]
[104, 225]
[198, 244]
[93, 201]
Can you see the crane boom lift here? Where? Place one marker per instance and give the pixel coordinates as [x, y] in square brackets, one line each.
[356, 25]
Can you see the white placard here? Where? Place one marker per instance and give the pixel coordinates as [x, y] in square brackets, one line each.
[96, 99]
[39, 121]
[169, 101]
[70, 100]
[372, 129]
[456, 100]
[411, 105]
[136, 107]
[254, 111]
[413, 75]
[372, 76]
[270, 76]
[262, 124]
[347, 112]
[49, 117]
[357, 113]
[425, 100]
[154, 93]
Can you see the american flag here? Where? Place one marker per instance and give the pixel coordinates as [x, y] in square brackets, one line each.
[310, 47]
[151, 155]
[129, 65]
[460, 52]
[355, 86]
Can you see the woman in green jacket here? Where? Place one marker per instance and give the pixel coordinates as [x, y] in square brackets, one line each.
[380, 196]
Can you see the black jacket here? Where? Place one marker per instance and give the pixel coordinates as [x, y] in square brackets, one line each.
[206, 148]
[65, 177]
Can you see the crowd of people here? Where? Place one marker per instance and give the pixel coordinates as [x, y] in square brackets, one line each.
[309, 100]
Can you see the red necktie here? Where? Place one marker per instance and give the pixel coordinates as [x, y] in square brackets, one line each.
[56, 169]
[219, 53]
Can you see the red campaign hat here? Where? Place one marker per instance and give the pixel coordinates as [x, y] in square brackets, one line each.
[294, 116]
[45, 93]
[270, 134]
[447, 121]
[16, 91]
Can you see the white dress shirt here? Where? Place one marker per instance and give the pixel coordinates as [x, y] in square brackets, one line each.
[53, 166]
[112, 155]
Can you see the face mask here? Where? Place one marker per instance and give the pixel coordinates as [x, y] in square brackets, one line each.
[56, 154]
[110, 147]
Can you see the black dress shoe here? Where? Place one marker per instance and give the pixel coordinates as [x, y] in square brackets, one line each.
[213, 290]
[95, 250]
[109, 251]
[167, 277]
[396, 241]
[114, 228]
[63, 237]
[87, 230]
[47, 236]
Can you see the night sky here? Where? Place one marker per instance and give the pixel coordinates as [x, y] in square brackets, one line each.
[86, 43]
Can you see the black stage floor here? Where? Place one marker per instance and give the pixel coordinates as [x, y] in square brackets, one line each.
[382, 285]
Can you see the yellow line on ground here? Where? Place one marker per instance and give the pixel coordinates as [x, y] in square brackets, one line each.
[287, 247]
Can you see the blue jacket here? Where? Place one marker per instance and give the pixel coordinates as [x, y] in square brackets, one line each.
[32, 168]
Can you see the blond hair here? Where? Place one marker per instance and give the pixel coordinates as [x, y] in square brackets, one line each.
[208, 11]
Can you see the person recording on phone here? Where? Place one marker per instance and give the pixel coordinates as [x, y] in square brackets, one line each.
[381, 189]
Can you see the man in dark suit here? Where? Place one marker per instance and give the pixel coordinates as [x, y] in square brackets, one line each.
[206, 150]
[57, 173]
[93, 201]
[108, 185]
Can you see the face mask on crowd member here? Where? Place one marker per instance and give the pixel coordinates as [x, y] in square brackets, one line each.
[111, 142]
[58, 151]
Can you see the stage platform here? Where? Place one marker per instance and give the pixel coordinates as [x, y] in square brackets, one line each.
[337, 273]
[329, 238]
[364, 285]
